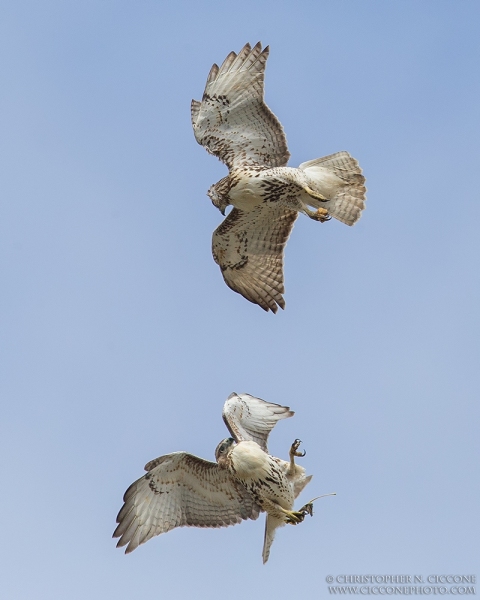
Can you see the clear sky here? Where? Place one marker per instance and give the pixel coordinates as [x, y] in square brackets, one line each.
[120, 341]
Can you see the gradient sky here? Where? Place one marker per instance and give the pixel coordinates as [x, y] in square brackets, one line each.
[120, 341]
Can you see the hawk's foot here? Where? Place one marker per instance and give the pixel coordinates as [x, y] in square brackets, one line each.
[294, 517]
[315, 195]
[321, 214]
[295, 446]
[293, 453]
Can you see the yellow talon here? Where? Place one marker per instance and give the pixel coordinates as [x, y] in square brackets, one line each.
[294, 517]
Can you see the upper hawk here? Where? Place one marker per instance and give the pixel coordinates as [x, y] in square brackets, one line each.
[233, 122]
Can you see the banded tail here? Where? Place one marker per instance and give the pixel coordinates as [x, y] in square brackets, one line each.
[339, 178]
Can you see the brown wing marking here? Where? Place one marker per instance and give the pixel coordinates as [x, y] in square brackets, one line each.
[248, 247]
[251, 418]
[232, 121]
[179, 490]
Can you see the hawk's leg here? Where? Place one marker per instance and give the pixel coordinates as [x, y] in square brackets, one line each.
[321, 214]
[288, 516]
[315, 195]
[293, 453]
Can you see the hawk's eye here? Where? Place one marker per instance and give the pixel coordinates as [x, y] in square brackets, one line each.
[223, 448]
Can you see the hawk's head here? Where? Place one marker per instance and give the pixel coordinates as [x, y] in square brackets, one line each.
[218, 194]
[223, 450]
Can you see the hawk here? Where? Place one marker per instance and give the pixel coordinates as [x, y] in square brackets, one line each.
[233, 123]
[180, 489]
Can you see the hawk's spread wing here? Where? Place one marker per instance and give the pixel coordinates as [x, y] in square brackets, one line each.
[232, 121]
[181, 489]
[248, 247]
[250, 418]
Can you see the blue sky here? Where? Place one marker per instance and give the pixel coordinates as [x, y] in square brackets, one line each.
[120, 341]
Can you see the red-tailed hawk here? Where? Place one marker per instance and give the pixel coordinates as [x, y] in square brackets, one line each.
[233, 122]
[181, 489]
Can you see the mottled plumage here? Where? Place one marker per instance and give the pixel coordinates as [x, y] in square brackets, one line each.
[233, 122]
[181, 489]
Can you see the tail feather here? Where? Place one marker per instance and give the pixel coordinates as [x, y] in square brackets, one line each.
[271, 525]
[339, 178]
